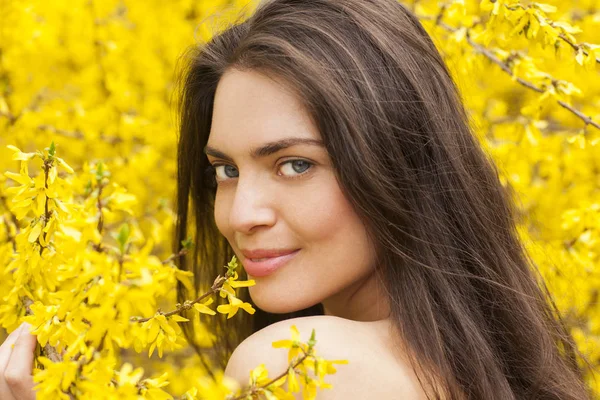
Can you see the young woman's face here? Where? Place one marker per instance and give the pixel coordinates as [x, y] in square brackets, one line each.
[277, 194]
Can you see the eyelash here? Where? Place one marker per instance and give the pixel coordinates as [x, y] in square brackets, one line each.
[214, 166]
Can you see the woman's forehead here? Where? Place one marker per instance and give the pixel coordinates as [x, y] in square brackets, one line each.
[250, 109]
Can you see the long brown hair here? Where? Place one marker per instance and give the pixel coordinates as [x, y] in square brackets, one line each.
[465, 296]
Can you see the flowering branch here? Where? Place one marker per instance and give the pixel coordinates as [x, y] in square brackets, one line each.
[486, 52]
[99, 203]
[577, 47]
[48, 351]
[504, 66]
[172, 257]
[13, 219]
[46, 217]
[257, 389]
[216, 287]
[301, 356]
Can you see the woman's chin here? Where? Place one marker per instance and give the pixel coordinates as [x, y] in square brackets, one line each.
[273, 304]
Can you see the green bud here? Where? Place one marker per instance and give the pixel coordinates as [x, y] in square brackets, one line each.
[123, 237]
[99, 171]
[52, 150]
[312, 341]
[187, 243]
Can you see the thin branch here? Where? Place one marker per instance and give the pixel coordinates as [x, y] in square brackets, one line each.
[99, 207]
[172, 257]
[187, 304]
[13, 219]
[46, 216]
[48, 351]
[255, 389]
[575, 46]
[486, 52]
[492, 57]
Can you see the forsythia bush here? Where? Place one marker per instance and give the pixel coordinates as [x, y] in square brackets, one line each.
[80, 282]
[87, 147]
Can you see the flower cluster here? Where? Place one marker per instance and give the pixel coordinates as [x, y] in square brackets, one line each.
[81, 292]
[305, 373]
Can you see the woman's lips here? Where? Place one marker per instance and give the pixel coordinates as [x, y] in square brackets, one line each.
[263, 266]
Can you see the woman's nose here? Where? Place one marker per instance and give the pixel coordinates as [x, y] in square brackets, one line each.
[252, 206]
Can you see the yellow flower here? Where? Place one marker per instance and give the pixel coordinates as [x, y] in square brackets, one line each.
[57, 377]
[62, 163]
[162, 332]
[152, 388]
[259, 375]
[325, 367]
[292, 381]
[289, 343]
[203, 307]
[294, 344]
[234, 305]
[227, 289]
[310, 390]
[238, 284]
[22, 177]
[19, 155]
[128, 376]
[213, 388]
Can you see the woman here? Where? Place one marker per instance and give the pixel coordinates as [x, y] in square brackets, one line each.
[403, 220]
[324, 143]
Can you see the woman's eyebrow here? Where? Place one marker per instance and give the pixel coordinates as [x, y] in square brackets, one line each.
[266, 149]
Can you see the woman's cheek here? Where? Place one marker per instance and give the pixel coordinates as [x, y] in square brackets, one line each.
[221, 213]
[324, 213]
[337, 230]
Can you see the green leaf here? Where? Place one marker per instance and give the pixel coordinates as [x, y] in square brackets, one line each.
[232, 265]
[99, 171]
[123, 236]
[52, 150]
[187, 243]
[312, 341]
[88, 188]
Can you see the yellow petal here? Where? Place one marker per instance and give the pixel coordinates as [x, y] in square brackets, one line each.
[258, 373]
[41, 204]
[64, 164]
[248, 308]
[179, 318]
[22, 179]
[292, 382]
[295, 333]
[19, 155]
[237, 284]
[203, 309]
[282, 343]
[35, 233]
[227, 309]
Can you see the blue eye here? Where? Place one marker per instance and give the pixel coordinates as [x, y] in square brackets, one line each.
[295, 167]
[225, 171]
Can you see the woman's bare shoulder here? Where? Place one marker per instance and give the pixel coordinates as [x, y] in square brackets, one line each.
[373, 370]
